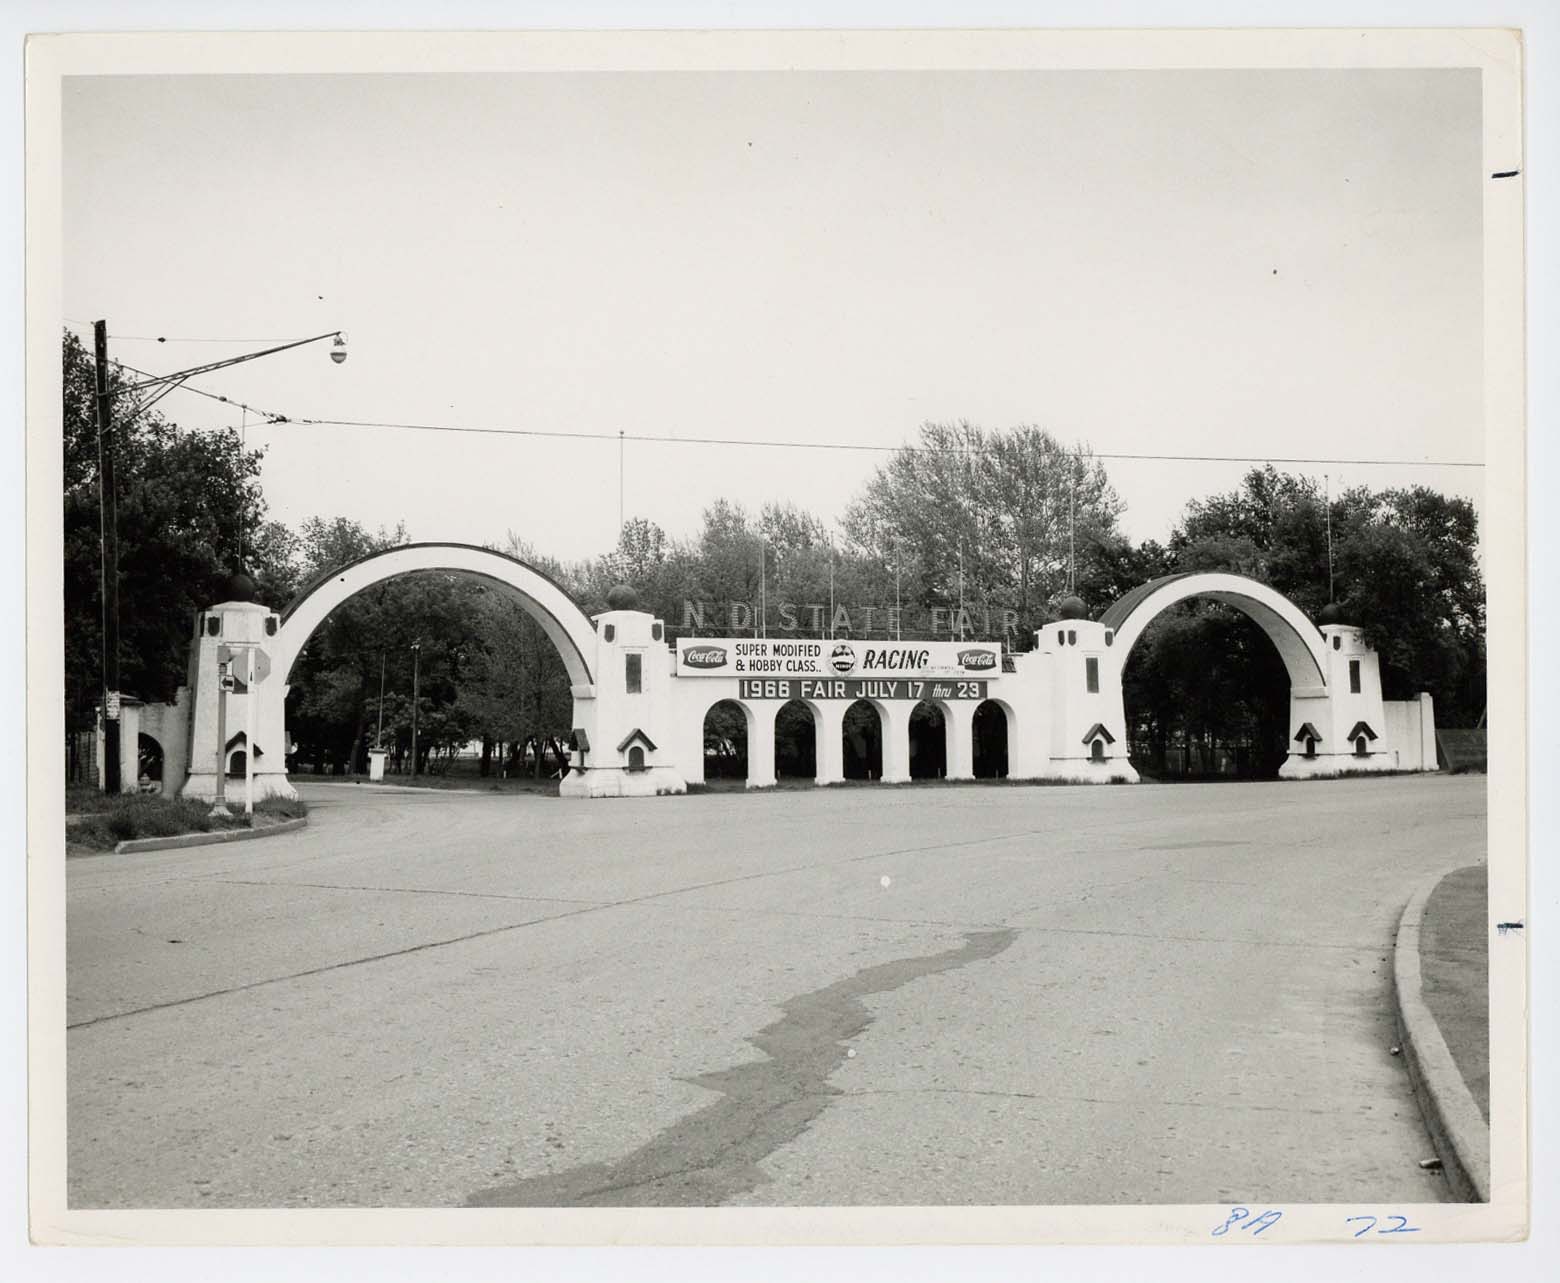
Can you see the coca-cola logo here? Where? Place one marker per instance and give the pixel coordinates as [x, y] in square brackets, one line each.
[705, 657]
[977, 659]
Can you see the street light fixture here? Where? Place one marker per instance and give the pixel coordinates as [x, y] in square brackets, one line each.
[158, 387]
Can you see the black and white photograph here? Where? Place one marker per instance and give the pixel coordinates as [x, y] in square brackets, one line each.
[916, 635]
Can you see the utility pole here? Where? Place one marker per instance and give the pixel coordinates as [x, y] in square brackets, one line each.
[108, 516]
[416, 656]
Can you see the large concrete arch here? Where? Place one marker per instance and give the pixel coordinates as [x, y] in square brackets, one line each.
[1298, 640]
[545, 601]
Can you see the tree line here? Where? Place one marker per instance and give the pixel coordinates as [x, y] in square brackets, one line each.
[1008, 522]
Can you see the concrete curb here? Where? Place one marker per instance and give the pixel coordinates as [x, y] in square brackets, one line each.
[132, 845]
[391, 788]
[1457, 1128]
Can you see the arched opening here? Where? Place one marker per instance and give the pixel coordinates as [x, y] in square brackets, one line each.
[726, 741]
[636, 758]
[149, 764]
[452, 659]
[1097, 750]
[989, 735]
[862, 735]
[1206, 696]
[1211, 661]
[928, 742]
[1361, 746]
[238, 764]
[796, 742]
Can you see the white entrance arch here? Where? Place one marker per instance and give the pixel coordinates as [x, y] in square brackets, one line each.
[239, 625]
[1299, 641]
[566, 625]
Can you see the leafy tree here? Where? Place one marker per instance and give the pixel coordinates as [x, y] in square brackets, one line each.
[1004, 511]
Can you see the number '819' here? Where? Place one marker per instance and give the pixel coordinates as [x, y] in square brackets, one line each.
[1240, 1218]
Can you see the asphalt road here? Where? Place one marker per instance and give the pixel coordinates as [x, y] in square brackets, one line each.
[1144, 994]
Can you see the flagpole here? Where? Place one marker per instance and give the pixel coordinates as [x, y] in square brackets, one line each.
[898, 605]
[961, 590]
[831, 587]
[1327, 491]
[1072, 530]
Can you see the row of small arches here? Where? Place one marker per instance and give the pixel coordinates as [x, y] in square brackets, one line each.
[861, 732]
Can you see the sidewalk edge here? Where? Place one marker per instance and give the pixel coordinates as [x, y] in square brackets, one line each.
[132, 845]
[1457, 1128]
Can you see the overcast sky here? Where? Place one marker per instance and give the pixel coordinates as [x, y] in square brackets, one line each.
[1271, 264]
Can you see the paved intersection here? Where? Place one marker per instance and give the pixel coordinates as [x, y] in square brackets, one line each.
[1141, 994]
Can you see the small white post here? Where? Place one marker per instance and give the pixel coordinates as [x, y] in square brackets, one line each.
[249, 757]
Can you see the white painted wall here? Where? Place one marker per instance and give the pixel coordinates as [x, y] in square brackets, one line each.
[1409, 732]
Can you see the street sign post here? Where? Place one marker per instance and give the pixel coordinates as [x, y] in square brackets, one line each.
[249, 736]
[257, 667]
[224, 685]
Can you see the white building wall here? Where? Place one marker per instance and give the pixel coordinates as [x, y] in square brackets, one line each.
[1409, 732]
[609, 713]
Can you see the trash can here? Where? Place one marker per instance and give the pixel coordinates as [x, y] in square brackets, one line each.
[376, 763]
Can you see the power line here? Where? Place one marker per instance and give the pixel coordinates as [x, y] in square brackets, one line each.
[277, 419]
[855, 446]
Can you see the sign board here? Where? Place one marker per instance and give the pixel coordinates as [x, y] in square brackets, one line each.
[111, 706]
[236, 653]
[783, 657]
[915, 688]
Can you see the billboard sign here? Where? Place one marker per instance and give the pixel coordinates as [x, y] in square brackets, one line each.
[785, 657]
[853, 688]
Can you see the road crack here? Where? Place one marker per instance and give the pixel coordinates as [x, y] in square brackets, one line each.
[713, 1154]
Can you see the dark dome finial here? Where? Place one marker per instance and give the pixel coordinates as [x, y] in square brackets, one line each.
[240, 587]
[1331, 613]
[622, 597]
[1072, 607]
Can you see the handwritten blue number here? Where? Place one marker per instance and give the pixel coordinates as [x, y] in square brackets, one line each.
[1236, 1214]
[1402, 1226]
[1367, 1229]
[1266, 1221]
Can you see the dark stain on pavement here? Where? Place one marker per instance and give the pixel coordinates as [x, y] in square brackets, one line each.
[713, 1154]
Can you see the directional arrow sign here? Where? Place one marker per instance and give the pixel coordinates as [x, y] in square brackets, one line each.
[234, 653]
